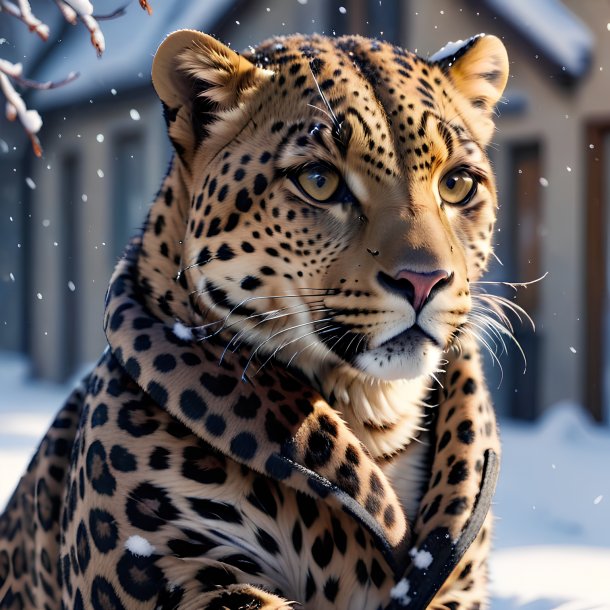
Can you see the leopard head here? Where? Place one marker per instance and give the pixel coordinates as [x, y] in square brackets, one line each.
[341, 201]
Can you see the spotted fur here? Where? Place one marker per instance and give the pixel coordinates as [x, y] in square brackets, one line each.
[290, 413]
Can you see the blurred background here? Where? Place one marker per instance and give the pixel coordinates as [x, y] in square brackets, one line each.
[65, 218]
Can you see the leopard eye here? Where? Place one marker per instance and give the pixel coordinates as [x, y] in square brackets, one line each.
[319, 182]
[457, 187]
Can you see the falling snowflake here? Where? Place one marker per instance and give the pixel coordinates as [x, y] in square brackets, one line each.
[134, 114]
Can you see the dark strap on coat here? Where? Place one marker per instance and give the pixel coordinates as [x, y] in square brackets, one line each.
[424, 584]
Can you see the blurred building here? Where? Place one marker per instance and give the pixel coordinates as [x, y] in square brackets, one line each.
[105, 151]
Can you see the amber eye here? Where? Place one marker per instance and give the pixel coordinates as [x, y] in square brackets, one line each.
[457, 187]
[319, 182]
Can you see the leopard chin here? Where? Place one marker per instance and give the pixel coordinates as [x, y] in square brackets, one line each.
[409, 355]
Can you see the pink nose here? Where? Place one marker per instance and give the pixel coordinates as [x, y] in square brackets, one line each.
[422, 284]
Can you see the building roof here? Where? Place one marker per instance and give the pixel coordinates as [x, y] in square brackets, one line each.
[131, 42]
[551, 30]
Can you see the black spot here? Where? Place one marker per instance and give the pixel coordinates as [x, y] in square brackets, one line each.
[331, 588]
[457, 506]
[465, 432]
[250, 283]
[267, 542]
[225, 253]
[470, 386]
[319, 449]
[103, 596]
[308, 509]
[348, 479]
[122, 459]
[372, 504]
[159, 458]
[377, 574]
[141, 343]
[137, 419]
[232, 222]
[218, 385]
[222, 193]
[132, 366]
[361, 572]
[389, 516]
[99, 416]
[215, 424]
[277, 126]
[148, 507]
[244, 446]
[339, 536]
[262, 497]
[297, 537]
[459, 473]
[444, 440]
[47, 506]
[247, 407]
[219, 511]
[275, 429]
[214, 228]
[267, 271]
[432, 509]
[83, 551]
[242, 201]
[98, 472]
[322, 549]
[164, 363]
[103, 528]
[140, 576]
[260, 184]
[157, 392]
[192, 404]
[199, 467]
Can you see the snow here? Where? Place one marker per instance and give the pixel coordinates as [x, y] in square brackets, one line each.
[421, 559]
[182, 332]
[399, 592]
[555, 556]
[138, 546]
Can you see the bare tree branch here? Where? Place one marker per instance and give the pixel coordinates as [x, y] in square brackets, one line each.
[144, 4]
[23, 12]
[11, 73]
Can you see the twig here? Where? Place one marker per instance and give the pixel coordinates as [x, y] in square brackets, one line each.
[144, 4]
[16, 108]
[23, 12]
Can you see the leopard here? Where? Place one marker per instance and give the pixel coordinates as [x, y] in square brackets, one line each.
[291, 411]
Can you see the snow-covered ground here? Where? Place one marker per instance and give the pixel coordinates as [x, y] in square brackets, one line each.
[552, 541]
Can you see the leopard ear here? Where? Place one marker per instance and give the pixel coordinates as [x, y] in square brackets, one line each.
[197, 78]
[478, 68]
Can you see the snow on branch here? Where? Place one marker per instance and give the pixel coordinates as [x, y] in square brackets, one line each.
[23, 12]
[11, 74]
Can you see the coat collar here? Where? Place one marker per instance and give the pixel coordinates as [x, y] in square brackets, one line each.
[273, 423]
